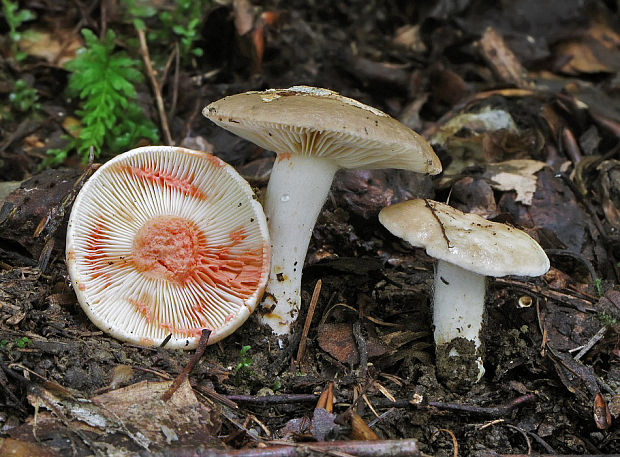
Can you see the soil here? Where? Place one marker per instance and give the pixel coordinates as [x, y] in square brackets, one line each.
[549, 77]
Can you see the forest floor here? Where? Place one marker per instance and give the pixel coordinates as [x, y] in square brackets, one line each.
[521, 102]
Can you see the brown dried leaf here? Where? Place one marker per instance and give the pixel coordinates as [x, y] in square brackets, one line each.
[337, 340]
[136, 411]
[408, 36]
[56, 47]
[609, 189]
[140, 408]
[475, 196]
[18, 448]
[501, 59]
[596, 51]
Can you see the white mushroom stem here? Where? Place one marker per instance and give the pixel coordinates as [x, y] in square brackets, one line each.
[458, 307]
[297, 190]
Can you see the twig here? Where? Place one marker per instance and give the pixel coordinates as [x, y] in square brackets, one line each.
[493, 411]
[144, 50]
[574, 302]
[586, 347]
[570, 145]
[200, 350]
[304, 334]
[379, 448]
[497, 411]
[273, 399]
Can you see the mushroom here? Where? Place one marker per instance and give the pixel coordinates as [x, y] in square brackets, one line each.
[468, 248]
[314, 133]
[167, 241]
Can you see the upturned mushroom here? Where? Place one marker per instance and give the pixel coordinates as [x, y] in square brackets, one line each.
[165, 241]
[468, 248]
[314, 133]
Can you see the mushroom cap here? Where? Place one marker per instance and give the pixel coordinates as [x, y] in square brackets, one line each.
[466, 240]
[318, 122]
[164, 240]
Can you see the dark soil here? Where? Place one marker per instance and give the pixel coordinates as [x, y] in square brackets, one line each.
[371, 332]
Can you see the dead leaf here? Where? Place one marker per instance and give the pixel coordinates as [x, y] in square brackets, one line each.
[56, 47]
[337, 340]
[554, 208]
[474, 195]
[360, 429]
[18, 448]
[518, 175]
[609, 189]
[485, 120]
[323, 425]
[136, 412]
[140, 408]
[501, 59]
[408, 36]
[595, 51]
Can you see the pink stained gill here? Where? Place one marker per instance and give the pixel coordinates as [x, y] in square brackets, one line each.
[184, 184]
[284, 156]
[166, 247]
[95, 257]
[174, 249]
[238, 235]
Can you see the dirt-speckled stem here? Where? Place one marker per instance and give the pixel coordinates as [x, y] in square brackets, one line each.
[458, 310]
[297, 190]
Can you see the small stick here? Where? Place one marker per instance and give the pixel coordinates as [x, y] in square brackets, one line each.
[144, 50]
[586, 347]
[273, 399]
[570, 146]
[200, 350]
[378, 448]
[304, 333]
[493, 411]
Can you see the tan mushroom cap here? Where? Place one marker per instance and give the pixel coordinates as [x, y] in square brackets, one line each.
[318, 122]
[167, 241]
[466, 240]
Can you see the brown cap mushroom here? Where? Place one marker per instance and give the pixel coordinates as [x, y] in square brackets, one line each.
[314, 132]
[468, 248]
[167, 241]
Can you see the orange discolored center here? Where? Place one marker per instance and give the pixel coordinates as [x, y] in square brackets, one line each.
[166, 247]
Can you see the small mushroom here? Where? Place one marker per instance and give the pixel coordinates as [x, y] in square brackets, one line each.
[167, 241]
[314, 132]
[468, 248]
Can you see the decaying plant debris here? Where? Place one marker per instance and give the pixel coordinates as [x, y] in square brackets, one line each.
[520, 101]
